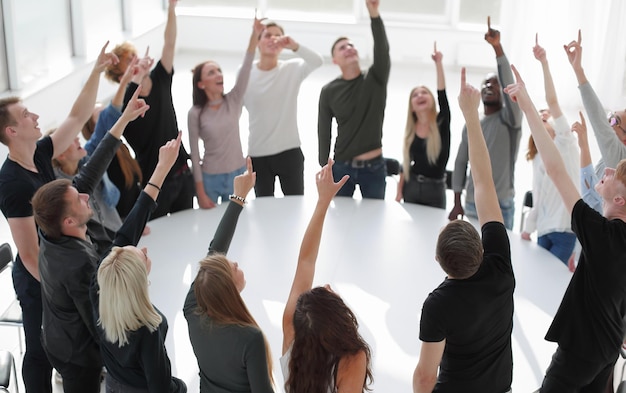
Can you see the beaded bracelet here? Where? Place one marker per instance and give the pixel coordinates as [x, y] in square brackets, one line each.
[238, 198]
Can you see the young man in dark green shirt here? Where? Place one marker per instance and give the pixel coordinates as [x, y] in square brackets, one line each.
[357, 101]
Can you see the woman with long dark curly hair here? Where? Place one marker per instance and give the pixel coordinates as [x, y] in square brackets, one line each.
[322, 348]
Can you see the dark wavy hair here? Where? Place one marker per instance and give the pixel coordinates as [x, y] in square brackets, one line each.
[326, 330]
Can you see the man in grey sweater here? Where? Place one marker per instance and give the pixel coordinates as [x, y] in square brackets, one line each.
[502, 130]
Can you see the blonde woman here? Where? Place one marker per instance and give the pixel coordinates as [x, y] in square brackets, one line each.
[218, 319]
[426, 144]
[132, 331]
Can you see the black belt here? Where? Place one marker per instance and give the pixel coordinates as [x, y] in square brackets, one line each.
[363, 163]
[424, 179]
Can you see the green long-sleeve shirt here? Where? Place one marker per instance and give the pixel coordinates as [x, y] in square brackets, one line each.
[358, 105]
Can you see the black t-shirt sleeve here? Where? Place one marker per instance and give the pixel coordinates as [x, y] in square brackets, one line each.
[496, 242]
[432, 326]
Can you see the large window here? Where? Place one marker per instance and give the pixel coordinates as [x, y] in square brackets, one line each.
[423, 11]
[102, 22]
[4, 74]
[144, 15]
[41, 39]
[474, 11]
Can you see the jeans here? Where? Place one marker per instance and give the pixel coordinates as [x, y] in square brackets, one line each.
[570, 373]
[176, 194]
[220, 184]
[370, 176]
[561, 244]
[508, 211]
[36, 369]
[287, 165]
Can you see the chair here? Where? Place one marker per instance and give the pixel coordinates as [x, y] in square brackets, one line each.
[7, 368]
[12, 316]
[393, 166]
[526, 206]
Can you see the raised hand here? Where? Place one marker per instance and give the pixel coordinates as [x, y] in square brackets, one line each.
[245, 182]
[574, 51]
[144, 65]
[105, 59]
[326, 186]
[136, 107]
[372, 7]
[517, 91]
[168, 153]
[131, 70]
[492, 36]
[469, 96]
[258, 25]
[538, 51]
[436, 56]
[580, 128]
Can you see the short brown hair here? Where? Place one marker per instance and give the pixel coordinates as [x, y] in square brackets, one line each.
[459, 249]
[114, 72]
[620, 171]
[332, 48]
[6, 119]
[50, 207]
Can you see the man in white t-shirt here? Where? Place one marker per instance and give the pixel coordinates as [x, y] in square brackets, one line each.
[272, 100]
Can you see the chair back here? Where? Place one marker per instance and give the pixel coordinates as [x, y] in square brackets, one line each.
[7, 371]
[392, 166]
[6, 256]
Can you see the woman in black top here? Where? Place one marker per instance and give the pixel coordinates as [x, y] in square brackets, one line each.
[426, 144]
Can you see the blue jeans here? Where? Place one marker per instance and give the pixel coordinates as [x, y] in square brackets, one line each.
[508, 211]
[561, 244]
[220, 184]
[370, 176]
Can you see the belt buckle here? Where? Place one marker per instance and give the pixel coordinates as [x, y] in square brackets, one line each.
[358, 164]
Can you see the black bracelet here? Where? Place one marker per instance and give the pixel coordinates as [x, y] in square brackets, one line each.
[155, 186]
[238, 198]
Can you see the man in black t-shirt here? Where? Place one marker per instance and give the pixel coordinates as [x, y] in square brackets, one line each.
[27, 168]
[148, 133]
[588, 325]
[467, 321]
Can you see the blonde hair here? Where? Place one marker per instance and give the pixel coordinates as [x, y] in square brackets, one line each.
[532, 149]
[620, 172]
[124, 301]
[218, 297]
[433, 141]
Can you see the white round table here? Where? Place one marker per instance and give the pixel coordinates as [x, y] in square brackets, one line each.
[377, 255]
